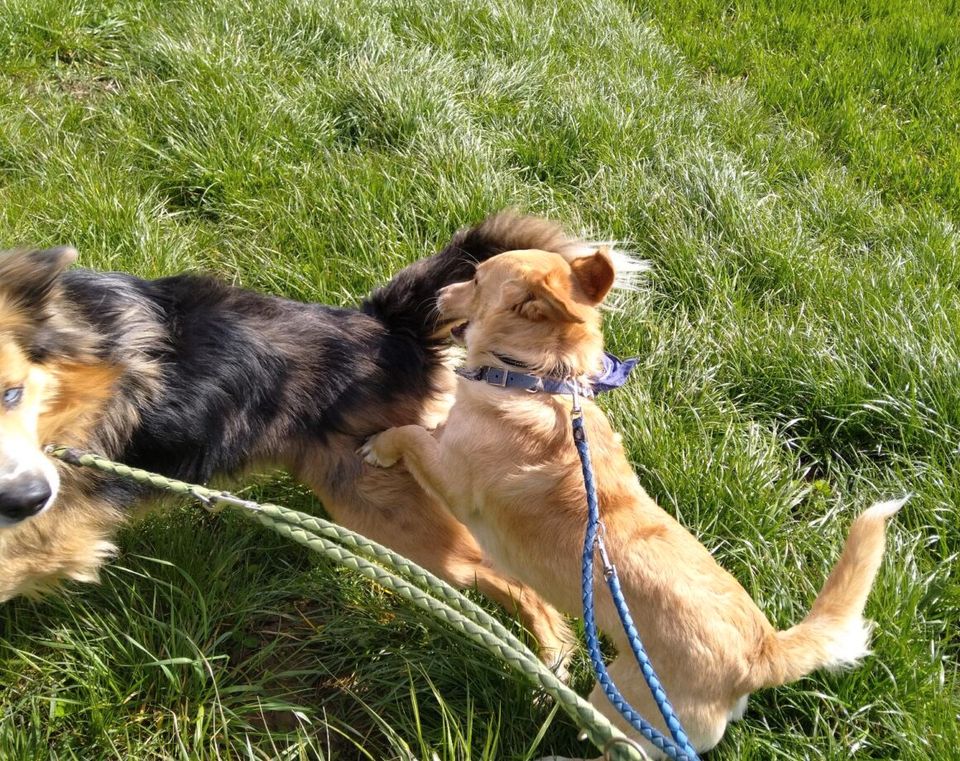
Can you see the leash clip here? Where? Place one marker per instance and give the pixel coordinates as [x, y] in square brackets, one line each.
[576, 409]
[608, 570]
[601, 547]
[208, 504]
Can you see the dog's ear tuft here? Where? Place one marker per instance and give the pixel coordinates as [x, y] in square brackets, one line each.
[594, 274]
[57, 258]
[29, 277]
[542, 302]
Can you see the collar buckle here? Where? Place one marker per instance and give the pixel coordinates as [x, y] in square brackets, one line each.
[497, 376]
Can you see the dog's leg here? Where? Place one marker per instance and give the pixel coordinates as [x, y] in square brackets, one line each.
[425, 461]
[704, 722]
[548, 626]
[389, 507]
[423, 457]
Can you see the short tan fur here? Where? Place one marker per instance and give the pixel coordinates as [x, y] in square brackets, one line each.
[505, 464]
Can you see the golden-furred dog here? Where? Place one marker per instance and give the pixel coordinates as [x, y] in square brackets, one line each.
[506, 465]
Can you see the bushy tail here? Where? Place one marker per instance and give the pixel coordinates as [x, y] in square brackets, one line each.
[834, 634]
[407, 304]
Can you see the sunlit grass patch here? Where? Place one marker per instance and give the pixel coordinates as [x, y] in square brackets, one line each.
[799, 336]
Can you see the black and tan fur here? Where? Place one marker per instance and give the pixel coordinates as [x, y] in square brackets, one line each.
[196, 379]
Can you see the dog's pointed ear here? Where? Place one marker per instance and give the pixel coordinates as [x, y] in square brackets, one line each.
[594, 274]
[29, 276]
[539, 301]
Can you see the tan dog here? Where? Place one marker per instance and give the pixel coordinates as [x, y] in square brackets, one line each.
[506, 465]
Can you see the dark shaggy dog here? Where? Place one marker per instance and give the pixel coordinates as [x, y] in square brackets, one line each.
[196, 379]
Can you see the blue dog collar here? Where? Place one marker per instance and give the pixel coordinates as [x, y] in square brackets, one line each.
[498, 376]
[614, 374]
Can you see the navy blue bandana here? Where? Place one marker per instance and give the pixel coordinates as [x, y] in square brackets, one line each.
[614, 374]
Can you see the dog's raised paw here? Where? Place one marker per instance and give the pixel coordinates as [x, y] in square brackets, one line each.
[375, 455]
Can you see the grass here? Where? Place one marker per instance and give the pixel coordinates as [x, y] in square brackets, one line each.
[876, 82]
[799, 335]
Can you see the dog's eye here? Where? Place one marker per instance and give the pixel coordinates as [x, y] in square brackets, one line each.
[12, 397]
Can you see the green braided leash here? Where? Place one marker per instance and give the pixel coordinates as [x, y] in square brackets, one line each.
[380, 564]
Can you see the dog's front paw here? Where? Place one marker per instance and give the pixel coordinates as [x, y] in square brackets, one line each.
[377, 450]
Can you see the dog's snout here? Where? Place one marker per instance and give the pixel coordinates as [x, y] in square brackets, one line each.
[447, 297]
[23, 497]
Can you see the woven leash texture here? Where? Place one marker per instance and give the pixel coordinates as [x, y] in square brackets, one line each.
[384, 566]
[679, 749]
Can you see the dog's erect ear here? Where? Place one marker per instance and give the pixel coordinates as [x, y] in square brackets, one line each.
[594, 274]
[28, 277]
[538, 301]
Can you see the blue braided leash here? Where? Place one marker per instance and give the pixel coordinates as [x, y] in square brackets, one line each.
[679, 749]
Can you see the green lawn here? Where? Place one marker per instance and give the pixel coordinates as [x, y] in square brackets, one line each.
[799, 335]
[876, 82]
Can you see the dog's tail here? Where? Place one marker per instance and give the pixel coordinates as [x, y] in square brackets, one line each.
[834, 634]
[408, 303]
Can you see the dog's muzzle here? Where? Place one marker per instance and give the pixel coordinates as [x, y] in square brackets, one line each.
[23, 497]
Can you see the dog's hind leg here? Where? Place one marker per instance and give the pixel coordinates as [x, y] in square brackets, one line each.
[704, 721]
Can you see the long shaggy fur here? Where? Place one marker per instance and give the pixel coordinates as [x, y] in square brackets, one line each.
[196, 379]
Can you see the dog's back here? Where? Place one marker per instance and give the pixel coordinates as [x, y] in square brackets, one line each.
[218, 377]
[408, 303]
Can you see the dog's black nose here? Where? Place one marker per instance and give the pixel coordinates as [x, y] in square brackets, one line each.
[24, 497]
